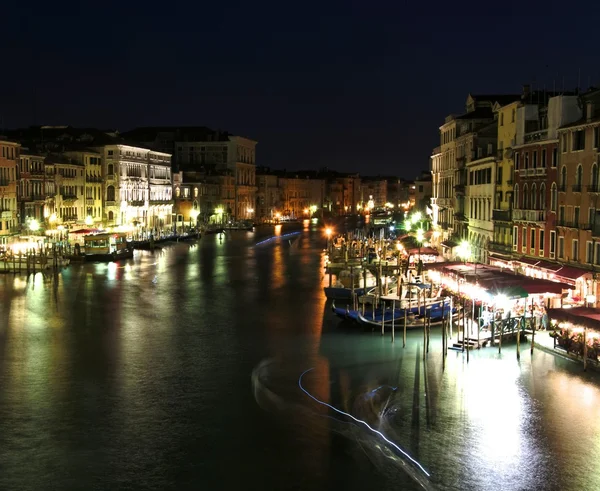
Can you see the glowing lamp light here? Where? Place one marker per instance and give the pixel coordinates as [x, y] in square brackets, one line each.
[313, 208]
[194, 214]
[420, 235]
[52, 218]
[277, 215]
[464, 250]
[250, 210]
[306, 210]
[89, 220]
[219, 211]
[34, 225]
[416, 217]
[328, 231]
[407, 226]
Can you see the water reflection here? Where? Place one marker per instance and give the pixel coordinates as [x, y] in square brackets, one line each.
[109, 380]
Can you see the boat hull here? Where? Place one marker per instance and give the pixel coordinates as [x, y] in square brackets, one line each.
[338, 293]
[107, 258]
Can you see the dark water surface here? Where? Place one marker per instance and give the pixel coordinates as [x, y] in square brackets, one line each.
[109, 380]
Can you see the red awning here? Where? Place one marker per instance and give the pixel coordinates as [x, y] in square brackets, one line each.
[85, 231]
[547, 265]
[424, 250]
[528, 261]
[571, 273]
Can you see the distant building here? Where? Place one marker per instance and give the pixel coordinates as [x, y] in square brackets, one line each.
[138, 187]
[93, 212]
[195, 148]
[68, 203]
[373, 189]
[31, 192]
[268, 195]
[423, 192]
[9, 211]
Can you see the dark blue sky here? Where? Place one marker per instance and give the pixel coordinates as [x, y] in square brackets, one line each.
[356, 86]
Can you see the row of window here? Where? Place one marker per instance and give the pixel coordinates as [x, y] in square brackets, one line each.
[577, 140]
[533, 243]
[523, 158]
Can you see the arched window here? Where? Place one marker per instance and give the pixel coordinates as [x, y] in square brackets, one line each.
[578, 178]
[110, 193]
[533, 196]
[516, 197]
[594, 181]
[525, 197]
[553, 197]
[563, 178]
[542, 202]
[177, 191]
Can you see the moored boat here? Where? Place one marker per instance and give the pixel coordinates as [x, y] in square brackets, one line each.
[107, 247]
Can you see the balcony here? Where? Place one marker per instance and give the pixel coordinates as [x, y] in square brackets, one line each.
[501, 215]
[5, 182]
[535, 136]
[161, 201]
[7, 214]
[567, 223]
[69, 218]
[93, 179]
[594, 188]
[136, 202]
[500, 247]
[110, 177]
[460, 217]
[533, 216]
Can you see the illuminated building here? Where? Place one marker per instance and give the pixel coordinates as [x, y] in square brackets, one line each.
[197, 148]
[31, 191]
[92, 163]
[9, 155]
[137, 187]
[69, 181]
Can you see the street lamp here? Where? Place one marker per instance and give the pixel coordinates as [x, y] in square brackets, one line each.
[89, 221]
[194, 218]
[463, 251]
[219, 212]
[328, 233]
[34, 225]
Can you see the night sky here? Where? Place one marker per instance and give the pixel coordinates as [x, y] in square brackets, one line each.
[353, 86]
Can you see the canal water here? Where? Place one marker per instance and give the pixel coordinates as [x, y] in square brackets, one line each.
[218, 365]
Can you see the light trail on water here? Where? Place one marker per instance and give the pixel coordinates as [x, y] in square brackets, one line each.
[377, 432]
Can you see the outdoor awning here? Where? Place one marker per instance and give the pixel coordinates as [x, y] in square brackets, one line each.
[579, 316]
[85, 231]
[528, 261]
[423, 250]
[571, 273]
[547, 265]
[449, 244]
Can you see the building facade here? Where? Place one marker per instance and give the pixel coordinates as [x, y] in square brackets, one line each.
[9, 211]
[479, 203]
[31, 192]
[137, 187]
[93, 213]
